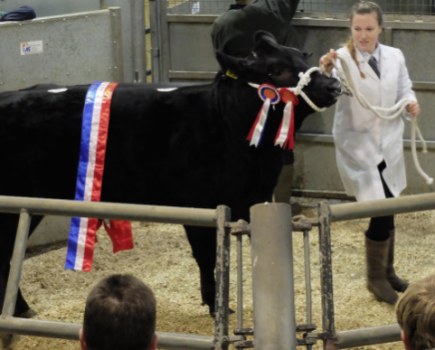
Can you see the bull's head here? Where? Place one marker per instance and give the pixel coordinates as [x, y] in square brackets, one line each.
[280, 66]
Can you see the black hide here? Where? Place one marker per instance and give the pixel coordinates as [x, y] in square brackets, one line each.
[185, 147]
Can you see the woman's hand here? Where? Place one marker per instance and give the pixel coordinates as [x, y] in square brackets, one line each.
[326, 60]
[413, 109]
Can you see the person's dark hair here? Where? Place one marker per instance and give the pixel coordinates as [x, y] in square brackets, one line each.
[362, 8]
[120, 313]
[415, 313]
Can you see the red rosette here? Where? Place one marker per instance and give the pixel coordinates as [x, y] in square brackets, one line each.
[288, 96]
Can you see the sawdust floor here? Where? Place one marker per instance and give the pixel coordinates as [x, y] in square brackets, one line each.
[162, 258]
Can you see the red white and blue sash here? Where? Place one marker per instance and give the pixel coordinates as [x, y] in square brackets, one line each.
[95, 128]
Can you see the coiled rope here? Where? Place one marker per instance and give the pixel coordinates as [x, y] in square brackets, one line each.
[304, 80]
[384, 113]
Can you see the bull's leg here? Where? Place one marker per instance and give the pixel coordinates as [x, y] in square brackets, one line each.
[9, 224]
[203, 243]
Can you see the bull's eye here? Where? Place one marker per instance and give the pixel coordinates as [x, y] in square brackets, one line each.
[276, 73]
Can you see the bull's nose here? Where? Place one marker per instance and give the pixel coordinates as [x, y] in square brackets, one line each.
[335, 88]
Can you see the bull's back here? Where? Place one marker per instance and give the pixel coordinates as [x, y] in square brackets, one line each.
[158, 144]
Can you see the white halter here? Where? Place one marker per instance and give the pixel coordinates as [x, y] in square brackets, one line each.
[304, 80]
[384, 113]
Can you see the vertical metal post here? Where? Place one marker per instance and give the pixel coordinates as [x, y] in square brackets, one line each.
[103, 4]
[115, 18]
[307, 278]
[155, 40]
[16, 264]
[239, 281]
[328, 322]
[272, 277]
[138, 40]
[388, 36]
[165, 53]
[222, 277]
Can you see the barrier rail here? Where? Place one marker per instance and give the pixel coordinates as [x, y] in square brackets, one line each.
[270, 227]
[26, 207]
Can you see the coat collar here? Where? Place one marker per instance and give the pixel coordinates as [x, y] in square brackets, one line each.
[365, 67]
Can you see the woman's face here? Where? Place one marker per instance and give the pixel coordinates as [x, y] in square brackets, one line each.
[365, 31]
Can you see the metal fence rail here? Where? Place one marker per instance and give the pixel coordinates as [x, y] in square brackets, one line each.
[26, 207]
[382, 207]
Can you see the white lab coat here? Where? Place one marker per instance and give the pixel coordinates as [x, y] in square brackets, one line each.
[363, 140]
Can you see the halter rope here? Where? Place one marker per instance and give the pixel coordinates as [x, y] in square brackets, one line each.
[384, 113]
[304, 80]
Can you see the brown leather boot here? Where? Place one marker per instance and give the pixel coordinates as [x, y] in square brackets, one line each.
[377, 255]
[397, 283]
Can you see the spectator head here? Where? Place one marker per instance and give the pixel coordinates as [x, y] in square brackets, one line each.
[416, 315]
[120, 313]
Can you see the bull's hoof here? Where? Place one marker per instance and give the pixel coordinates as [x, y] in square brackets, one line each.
[28, 314]
[6, 341]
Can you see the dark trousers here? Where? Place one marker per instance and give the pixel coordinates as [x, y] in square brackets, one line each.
[380, 227]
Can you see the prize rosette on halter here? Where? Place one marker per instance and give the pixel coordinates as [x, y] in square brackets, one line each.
[269, 94]
[95, 128]
[285, 135]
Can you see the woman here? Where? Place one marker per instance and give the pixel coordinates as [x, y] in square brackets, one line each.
[369, 150]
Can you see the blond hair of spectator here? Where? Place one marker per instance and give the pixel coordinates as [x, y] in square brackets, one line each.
[415, 312]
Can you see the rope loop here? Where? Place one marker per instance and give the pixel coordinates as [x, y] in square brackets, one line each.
[304, 80]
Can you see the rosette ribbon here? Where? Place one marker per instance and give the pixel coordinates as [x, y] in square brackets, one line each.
[270, 95]
[285, 135]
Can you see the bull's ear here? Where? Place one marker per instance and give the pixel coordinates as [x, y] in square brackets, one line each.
[262, 35]
[264, 43]
[233, 64]
[307, 55]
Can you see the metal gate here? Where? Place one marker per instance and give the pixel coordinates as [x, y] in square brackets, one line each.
[74, 42]
[182, 51]
[271, 232]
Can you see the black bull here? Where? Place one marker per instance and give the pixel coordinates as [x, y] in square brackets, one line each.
[185, 147]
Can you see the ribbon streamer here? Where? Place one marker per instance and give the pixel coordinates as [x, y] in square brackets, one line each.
[285, 135]
[269, 94]
[95, 127]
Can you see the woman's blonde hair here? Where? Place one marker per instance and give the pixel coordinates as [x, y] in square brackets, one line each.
[362, 8]
[415, 312]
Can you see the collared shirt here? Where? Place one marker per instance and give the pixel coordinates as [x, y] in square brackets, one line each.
[376, 54]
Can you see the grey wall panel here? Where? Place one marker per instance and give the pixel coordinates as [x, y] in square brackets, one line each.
[426, 119]
[315, 168]
[418, 51]
[45, 8]
[208, 7]
[319, 123]
[77, 49]
[194, 54]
